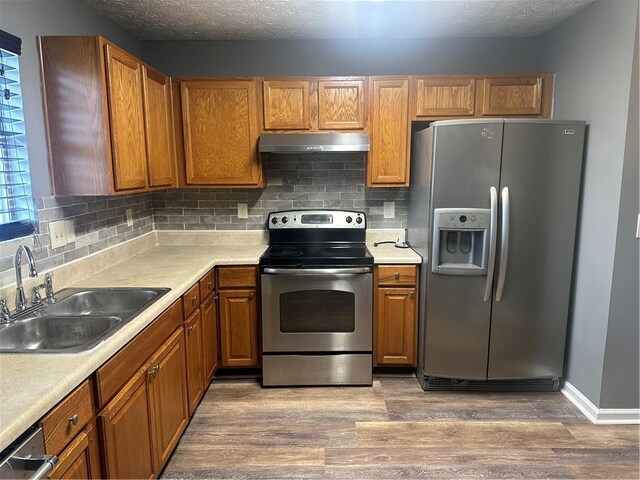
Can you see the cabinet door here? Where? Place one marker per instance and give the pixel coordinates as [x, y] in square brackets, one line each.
[128, 150]
[239, 328]
[388, 163]
[193, 332]
[220, 133]
[159, 128]
[168, 392]
[81, 459]
[512, 96]
[286, 105]
[209, 339]
[396, 323]
[341, 105]
[445, 97]
[126, 432]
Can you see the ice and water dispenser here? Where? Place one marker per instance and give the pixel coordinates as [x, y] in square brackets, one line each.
[460, 241]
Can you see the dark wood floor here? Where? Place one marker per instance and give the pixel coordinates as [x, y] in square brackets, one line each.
[395, 430]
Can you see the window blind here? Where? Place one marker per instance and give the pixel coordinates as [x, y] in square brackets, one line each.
[17, 213]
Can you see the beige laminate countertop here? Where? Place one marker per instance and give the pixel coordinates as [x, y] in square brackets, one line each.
[31, 384]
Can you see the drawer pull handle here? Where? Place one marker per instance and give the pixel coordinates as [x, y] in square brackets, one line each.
[74, 420]
[193, 300]
[154, 371]
[397, 275]
[209, 284]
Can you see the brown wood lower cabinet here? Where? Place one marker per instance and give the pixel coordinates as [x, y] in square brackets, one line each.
[81, 459]
[193, 334]
[126, 432]
[168, 399]
[239, 328]
[209, 339]
[395, 316]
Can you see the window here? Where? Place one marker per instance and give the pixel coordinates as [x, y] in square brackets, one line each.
[17, 213]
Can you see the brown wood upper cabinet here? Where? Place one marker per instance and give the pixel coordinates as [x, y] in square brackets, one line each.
[388, 163]
[159, 128]
[106, 118]
[314, 104]
[220, 128]
[445, 96]
[441, 97]
[516, 95]
[286, 104]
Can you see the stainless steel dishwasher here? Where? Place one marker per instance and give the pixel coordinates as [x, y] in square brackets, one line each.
[25, 458]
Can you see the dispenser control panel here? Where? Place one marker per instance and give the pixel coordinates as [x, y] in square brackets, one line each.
[462, 219]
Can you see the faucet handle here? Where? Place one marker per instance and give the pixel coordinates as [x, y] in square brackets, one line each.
[5, 315]
[36, 299]
[48, 285]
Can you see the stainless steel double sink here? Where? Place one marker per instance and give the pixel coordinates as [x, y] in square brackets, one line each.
[80, 319]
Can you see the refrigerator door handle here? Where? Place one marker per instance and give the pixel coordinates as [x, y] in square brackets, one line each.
[504, 243]
[493, 234]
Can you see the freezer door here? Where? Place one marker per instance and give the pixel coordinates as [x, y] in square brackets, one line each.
[541, 168]
[466, 164]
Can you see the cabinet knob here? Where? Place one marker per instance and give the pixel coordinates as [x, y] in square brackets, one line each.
[190, 329]
[411, 295]
[74, 420]
[193, 300]
[397, 275]
[209, 284]
[252, 295]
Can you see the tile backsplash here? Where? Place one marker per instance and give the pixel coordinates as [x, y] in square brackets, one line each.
[305, 181]
[100, 222]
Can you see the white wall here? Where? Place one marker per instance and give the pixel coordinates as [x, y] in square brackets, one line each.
[29, 18]
[592, 54]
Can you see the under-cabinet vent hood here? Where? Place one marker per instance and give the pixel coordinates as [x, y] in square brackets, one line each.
[314, 142]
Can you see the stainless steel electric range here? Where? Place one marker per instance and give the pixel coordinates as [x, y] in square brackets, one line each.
[317, 289]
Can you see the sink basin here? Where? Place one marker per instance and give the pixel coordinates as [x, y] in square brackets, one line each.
[80, 319]
[56, 334]
[115, 301]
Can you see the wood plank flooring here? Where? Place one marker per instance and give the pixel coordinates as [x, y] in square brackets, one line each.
[395, 430]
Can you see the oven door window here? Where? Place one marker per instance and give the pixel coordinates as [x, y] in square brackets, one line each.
[317, 311]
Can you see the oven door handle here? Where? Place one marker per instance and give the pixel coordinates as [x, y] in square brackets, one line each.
[317, 271]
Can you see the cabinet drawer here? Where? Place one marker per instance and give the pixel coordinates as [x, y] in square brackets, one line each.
[237, 277]
[191, 300]
[112, 376]
[397, 275]
[68, 418]
[207, 285]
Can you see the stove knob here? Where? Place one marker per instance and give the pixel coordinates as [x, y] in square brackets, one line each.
[349, 219]
[285, 219]
[274, 220]
[359, 220]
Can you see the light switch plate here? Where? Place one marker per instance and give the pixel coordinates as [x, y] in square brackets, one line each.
[389, 210]
[70, 230]
[243, 210]
[129, 217]
[58, 234]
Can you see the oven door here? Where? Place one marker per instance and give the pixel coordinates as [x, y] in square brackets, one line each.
[317, 310]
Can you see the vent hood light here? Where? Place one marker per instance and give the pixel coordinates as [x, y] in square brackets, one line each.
[313, 142]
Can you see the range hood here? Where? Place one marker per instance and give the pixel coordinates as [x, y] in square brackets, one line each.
[313, 142]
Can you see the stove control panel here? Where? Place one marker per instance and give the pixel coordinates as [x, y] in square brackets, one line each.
[316, 219]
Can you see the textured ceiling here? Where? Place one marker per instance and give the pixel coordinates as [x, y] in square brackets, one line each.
[322, 19]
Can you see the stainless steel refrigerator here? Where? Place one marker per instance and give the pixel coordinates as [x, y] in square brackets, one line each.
[493, 209]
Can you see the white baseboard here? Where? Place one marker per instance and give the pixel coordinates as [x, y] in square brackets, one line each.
[600, 416]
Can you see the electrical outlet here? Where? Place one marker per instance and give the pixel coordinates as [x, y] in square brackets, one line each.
[70, 230]
[58, 234]
[389, 210]
[129, 217]
[243, 210]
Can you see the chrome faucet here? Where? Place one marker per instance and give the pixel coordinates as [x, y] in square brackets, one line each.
[21, 299]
